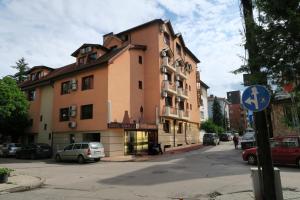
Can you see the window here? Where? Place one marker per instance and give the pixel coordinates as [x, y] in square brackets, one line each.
[202, 114]
[41, 118]
[87, 111]
[81, 60]
[190, 88]
[179, 128]
[166, 39]
[168, 101]
[65, 87]
[45, 127]
[190, 106]
[77, 146]
[181, 105]
[166, 126]
[178, 48]
[31, 95]
[140, 60]
[141, 85]
[168, 77]
[69, 147]
[72, 139]
[93, 56]
[180, 84]
[87, 82]
[64, 114]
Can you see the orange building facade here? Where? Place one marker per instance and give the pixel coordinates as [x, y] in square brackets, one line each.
[136, 90]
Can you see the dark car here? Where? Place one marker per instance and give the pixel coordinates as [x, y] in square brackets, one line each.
[285, 150]
[34, 151]
[225, 137]
[211, 138]
[248, 140]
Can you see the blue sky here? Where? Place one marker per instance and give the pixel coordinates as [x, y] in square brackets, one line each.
[46, 32]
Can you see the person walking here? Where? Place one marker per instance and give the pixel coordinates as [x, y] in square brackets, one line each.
[235, 141]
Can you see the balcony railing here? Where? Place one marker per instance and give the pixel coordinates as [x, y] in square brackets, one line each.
[169, 86]
[166, 62]
[184, 114]
[181, 72]
[182, 93]
[170, 111]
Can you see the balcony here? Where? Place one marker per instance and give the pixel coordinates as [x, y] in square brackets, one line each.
[184, 114]
[169, 87]
[181, 72]
[166, 63]
[182, 93]
[169, 111]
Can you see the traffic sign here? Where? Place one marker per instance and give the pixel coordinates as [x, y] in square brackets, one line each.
[256, 98]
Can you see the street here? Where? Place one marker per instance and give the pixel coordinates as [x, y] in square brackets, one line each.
[192, 175]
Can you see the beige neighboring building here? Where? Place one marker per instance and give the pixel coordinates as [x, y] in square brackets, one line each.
[136, 89]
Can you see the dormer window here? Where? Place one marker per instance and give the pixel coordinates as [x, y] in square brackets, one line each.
[85, 50]
[93, 56]
[81, 60]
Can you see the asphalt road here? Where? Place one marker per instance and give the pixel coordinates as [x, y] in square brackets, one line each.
[192, 175]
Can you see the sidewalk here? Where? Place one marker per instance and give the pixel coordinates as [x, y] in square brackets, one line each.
[133, 158]
[18, 183]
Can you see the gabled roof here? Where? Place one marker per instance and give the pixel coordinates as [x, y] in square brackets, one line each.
[203, 84]
[38, 67]
[98, 46]
[71, 68]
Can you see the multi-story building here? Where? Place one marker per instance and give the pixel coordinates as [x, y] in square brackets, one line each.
[224, 104]
[136, 89]
[237, 113]
[202, 96]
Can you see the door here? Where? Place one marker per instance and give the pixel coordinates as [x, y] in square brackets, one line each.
[66, 154]
[275, 148]
[75, 152]
[289, 150]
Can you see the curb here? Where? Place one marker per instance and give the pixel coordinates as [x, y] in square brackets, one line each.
[25, 187]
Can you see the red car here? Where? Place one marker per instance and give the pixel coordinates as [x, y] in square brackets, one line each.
[285, 150]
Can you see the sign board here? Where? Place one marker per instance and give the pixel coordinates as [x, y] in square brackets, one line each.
[256, 98]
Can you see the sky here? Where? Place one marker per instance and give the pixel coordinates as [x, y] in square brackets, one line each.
[47, 32]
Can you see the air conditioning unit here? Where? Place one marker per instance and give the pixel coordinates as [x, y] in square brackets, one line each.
[164, 94]
[164, 70]
[72, 111]
[163, 53]
[73, 84]
[72, 124]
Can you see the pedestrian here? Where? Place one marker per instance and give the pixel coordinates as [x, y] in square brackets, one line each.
[235, 141]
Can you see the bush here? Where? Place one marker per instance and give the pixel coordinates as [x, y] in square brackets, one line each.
[4, 171]
[210, 127]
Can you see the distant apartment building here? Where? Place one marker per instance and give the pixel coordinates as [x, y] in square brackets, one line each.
[136, 89]
[224, 107]
[237, 113]
[202, 95]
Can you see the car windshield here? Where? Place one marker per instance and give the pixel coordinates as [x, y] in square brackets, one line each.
[96, 145]
[208, 135]
[248, 136]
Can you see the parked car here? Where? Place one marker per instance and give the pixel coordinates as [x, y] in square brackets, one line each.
[211, 138]
[34, 151]
[81, 152]
[248, 140]
[285, 150]
[10, 149]
[225, 137]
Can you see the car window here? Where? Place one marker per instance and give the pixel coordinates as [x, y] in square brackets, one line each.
[96, 145]
[290, 142]
[77, 146]
[84, 146]
[248, 136]
[208, 135]
[69, 147]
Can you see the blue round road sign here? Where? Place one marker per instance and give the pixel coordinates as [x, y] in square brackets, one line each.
[256, 98]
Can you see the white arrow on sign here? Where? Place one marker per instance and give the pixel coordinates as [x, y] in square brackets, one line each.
[254, 100]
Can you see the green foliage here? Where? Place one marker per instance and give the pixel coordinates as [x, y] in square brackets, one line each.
[13, 108]
[22, 67]
[4, 171]
[217, 113]
[276, 34]
[209, 127]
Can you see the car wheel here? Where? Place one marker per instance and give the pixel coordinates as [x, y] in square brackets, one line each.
[252, 160]
[80, 159]
[57, 158]
[97, 159]
[33, 156]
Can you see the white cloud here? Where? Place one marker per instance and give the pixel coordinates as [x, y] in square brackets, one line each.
[47, 32]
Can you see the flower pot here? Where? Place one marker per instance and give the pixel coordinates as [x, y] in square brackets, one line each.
[3, 178]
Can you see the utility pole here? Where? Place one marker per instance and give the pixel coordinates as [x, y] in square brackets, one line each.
[260, 118]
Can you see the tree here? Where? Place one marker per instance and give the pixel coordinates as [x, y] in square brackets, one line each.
[13, 109]
[217, 113]
[22, 67]
[209, 127]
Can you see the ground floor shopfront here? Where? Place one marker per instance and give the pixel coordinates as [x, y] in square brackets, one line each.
[131, 139]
